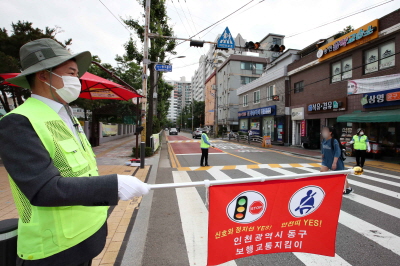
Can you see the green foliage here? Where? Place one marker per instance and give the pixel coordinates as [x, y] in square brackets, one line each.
[159, 48]
[198, 114]
[344, 31]
[147, 153]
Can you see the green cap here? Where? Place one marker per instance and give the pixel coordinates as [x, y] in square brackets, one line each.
[44, 54]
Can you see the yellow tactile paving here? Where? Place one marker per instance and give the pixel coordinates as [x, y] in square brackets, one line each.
[315, 164]
[295, 165]
[253, 166]
[275, 165]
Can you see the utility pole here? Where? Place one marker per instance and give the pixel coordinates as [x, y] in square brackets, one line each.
[192, 110]
[145, 64]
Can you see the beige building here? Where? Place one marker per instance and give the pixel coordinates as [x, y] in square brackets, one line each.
[210, 100]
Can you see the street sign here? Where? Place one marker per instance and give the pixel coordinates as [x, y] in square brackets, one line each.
[164, 68]
[226, 40]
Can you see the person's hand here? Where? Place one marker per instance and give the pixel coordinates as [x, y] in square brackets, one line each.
[129, 187]
[334, 166]
[369, 149]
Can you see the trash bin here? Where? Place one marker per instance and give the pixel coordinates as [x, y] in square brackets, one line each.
[8, 242]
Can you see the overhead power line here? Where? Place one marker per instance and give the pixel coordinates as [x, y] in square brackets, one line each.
[218, 21]
[341, 18]
[123, 25]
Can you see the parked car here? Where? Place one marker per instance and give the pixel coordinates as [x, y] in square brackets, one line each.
[173, 131]
[197, 133]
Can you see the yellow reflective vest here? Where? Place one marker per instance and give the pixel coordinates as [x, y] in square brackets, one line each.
[45, 231]
[360, 142]
[204, 145]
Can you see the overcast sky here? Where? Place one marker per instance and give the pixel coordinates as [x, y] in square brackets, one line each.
[93, 28]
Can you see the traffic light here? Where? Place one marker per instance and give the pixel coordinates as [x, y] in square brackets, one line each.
[196, 43]
[252, 45]
[240, 209]
[277, 48]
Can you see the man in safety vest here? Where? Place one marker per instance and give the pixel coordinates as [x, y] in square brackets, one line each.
[60, 197]
[361, 146]
[204, 146]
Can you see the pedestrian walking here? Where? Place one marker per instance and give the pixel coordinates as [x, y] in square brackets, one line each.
[61, 200]
[361, 146]
[204, 146]
[332, 154]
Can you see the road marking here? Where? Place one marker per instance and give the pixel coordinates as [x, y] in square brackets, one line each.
[380, 180]
[251, 166]
[378, 173]
[376, 234]
[376, 189]
[174, 160]
[240, 157]
[317, 260]
[379, 206]
[194, 217]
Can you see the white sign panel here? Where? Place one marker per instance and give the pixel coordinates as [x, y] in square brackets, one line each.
[298, 113]
[382, 83]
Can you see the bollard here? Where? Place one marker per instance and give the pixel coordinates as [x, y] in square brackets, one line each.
[8, 242]
[142, 154]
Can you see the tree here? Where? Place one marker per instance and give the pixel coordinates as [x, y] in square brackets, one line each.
[198, 115]
[344, 31]
[21, 33]
[159, 48]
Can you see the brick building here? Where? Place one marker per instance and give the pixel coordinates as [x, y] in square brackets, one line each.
[342, 81]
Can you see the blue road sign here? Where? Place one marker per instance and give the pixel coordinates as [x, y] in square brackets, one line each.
[164, 68]
[226, 40]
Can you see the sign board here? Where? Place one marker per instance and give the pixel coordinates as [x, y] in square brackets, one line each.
[381, 98]
[163, 68]
[349, 41]
[109, 130]
[269, 110]
[226, 40]
[327, 106]
[156, 141]
[274, 217]
[368, 85]
[303, 128]
[297, 113]
[267, 142]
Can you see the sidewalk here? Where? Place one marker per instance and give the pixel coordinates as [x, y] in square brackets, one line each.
[111, 157]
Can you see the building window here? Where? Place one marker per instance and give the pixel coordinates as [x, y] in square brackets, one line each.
[276, 41]
[257, 68]
[298, 87]
[246, 80]
[380, 57]
[341, 70]
[245, 100]
[256, 97]
[270, 92]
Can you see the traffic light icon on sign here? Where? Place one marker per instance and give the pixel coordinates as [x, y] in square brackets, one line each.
[241, 208]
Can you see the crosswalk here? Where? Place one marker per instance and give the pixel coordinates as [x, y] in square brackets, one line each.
[369, 222]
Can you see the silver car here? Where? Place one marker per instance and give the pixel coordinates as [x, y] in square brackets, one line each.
[197, 133]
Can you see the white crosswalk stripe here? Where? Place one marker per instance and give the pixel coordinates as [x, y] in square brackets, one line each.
[373, 232]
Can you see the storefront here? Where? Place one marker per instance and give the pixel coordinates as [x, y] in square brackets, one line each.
[380, 114]
[260, 121]
[298, 125]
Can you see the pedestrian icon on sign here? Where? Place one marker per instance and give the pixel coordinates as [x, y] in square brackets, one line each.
[306, 203]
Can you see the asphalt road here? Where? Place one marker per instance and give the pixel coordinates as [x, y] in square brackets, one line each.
[369, 225]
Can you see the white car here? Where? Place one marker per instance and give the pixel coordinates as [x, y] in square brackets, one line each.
[173, 131]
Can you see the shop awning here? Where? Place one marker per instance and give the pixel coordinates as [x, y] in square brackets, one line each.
[371, 117]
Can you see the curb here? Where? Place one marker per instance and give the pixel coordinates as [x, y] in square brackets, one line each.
[137, 240]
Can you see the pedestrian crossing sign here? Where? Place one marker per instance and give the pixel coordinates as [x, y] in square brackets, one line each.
[226, 40]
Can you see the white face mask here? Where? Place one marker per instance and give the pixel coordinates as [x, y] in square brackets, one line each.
[361, 133]
[71, 90]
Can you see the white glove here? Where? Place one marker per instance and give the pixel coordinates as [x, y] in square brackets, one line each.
[129, 187]
[368, 147]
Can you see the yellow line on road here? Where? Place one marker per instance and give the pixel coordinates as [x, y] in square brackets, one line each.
[174, 161]
[240, 157]
[229, 167]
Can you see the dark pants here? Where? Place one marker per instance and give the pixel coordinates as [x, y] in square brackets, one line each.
[360, 157]
[204, 156]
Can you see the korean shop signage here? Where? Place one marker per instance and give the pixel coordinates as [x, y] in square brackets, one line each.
[381, 98]
[269, 110]
[327, 106]
[349, 41]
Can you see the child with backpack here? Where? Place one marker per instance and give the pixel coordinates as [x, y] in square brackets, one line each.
[332, 158]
